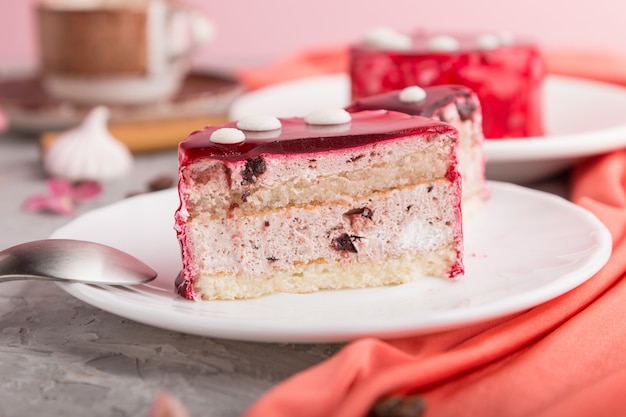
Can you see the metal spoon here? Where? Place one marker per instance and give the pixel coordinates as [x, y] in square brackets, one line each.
[72, 261]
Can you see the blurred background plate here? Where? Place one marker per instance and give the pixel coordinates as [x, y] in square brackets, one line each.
[582, 117]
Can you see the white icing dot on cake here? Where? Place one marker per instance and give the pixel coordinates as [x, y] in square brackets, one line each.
[259, 123]
[413, 94]
[334, 116]
[443, 43]
[264, 135]
[387, 38]
[488, 41]
[506, 38]
[227, 135]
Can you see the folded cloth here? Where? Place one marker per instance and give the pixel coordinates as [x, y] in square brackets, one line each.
[594, 64]
[562, 358]
[308, 63]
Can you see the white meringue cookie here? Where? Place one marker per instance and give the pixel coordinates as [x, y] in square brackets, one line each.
[88, 152]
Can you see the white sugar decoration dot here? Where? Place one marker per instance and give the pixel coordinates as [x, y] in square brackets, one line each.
[506, 38]
[387, 38]
[334, 116]
[265, 135]
[227, 136]
[328, 128]
[487, 41]
[259, 123]
[412, 94]
[443, 43]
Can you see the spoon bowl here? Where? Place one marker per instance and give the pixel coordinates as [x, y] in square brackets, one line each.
[70, 260]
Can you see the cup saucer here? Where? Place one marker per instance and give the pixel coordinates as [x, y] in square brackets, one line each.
[31, 110]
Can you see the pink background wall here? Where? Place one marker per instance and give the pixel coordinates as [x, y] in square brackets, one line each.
[256, 31]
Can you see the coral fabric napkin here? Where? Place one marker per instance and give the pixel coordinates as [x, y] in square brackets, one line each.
[308, 63]
[566, 357]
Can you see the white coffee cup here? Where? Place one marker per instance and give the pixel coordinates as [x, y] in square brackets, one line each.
[117, 51]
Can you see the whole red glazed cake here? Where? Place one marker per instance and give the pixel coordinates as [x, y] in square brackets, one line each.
[332, 200]
[506, 74]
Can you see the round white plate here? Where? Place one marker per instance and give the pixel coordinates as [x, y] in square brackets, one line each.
[582, 118]
[524, 248]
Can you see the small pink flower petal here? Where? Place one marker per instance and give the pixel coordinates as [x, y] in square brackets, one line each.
[63, 206]
[62, 196]
[43, 203]
[36, 203]
[59, 187]
[86, 190]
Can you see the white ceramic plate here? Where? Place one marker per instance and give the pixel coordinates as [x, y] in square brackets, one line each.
[582, 118]
[524, 248]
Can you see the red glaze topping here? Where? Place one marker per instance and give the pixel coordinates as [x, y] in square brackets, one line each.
[297, 137]
[437, 97]
[507, 79]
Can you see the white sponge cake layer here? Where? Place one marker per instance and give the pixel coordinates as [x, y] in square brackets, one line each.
[408, 221]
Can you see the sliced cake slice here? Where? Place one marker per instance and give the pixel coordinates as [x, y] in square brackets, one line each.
[333, 200]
